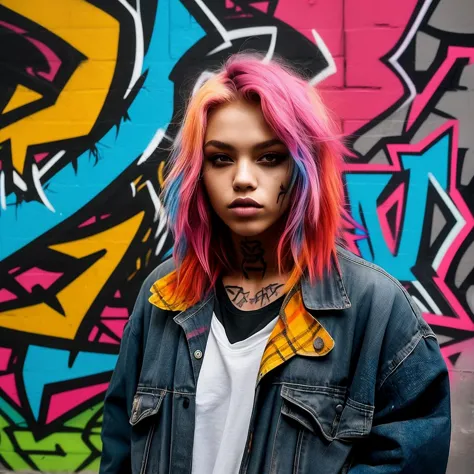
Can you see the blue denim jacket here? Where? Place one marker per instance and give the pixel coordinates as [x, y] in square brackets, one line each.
[377, 402]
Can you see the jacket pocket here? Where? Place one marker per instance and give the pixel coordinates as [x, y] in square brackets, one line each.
[145, 408]
[314, 409]
[146, 404]
[317, 429]
[356, 420]
[326, 411]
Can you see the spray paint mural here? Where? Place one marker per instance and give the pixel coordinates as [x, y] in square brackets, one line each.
[90, 95]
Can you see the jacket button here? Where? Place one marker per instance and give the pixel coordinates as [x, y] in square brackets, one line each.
[339, 409]
[186, 403]
[198, 354]
[318, 344]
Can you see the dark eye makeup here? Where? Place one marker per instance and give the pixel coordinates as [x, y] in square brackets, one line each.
[271, 159]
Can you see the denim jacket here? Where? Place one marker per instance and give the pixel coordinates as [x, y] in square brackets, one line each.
[352, 380]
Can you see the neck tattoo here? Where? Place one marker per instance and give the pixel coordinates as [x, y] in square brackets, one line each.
[252, 258]
[261, 298]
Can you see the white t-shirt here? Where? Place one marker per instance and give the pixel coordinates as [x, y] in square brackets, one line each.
[224, 399]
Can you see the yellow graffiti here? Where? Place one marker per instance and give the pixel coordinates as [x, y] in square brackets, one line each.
[147, 258]
[161, 178]
[20, 97]
[78, 296]
[147, 235]
[95, 34]
[137, 180]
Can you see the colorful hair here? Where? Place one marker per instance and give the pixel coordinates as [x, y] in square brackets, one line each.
[295, 112]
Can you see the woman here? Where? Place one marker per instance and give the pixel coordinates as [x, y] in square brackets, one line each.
[264, 347]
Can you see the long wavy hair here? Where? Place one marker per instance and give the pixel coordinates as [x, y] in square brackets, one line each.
[297, 115]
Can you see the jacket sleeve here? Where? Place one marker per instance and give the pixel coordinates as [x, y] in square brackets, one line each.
[412, 421]
[116, 429]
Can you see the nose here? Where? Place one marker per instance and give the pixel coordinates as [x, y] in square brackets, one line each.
[245, 177]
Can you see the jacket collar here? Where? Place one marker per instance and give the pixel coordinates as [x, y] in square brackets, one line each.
[325, 294]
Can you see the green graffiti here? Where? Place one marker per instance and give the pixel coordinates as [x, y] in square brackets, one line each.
[74, 446]
[8, 454]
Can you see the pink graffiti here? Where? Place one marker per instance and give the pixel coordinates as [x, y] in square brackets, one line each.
[13, 28]
[396, 149]
[37, 276]
[61, 403]
[93, 334]
[53, 60]
[262, 6]
[40, 156]
[395, 199]
[421, 100]
[357, 34]
[5, 355]
[91, 220]
[116, 326]
[350, 227]
[105, 339]
[461, 320]
[464, 347]
[110, 312]
[8, 385]
[6, 295]
[460, 204]
[451, 126]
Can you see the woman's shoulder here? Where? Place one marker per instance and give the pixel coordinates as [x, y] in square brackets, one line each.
[370, 286]
[143, 305]
[354, 267]
[361, 277]
[163, 269]
[381, 305]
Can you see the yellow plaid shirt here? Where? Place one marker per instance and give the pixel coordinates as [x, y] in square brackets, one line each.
[296, 331]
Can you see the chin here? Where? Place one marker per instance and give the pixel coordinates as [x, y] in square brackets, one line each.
[248, 228]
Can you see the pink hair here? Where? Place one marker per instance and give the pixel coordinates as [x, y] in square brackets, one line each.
[295, 112]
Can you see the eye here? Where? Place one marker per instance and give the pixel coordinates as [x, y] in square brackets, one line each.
[273, 159]
[219, 159]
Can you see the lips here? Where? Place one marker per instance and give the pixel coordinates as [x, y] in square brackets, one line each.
[244, 202]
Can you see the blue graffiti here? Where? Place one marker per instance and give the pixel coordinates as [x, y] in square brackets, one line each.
[69, 191]
[364, 189]
[44, 366]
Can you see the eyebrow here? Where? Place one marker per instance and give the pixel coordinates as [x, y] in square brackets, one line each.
[258, 146]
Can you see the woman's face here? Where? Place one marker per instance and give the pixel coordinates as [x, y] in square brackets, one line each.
[243, 158]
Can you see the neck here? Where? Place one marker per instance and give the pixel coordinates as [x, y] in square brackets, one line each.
[255, 282]
[256, 258]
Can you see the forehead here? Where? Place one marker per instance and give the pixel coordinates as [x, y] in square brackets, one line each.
[238, 122]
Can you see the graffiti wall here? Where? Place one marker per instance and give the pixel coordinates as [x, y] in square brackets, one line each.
[90, 94]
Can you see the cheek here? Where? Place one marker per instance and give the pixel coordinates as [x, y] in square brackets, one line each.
[213, 191]
[279, 190]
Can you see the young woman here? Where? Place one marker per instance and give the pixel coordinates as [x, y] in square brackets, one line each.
[264, 347]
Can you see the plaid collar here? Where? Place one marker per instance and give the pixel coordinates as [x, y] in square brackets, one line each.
[297, 331]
